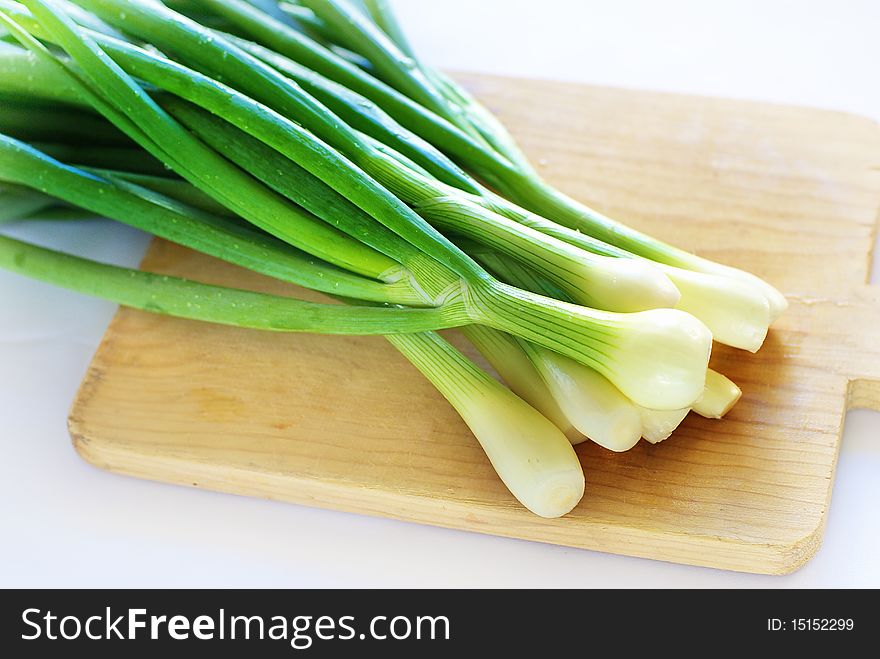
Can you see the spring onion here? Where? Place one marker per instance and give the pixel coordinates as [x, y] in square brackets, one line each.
[530, 454]
[309, 143]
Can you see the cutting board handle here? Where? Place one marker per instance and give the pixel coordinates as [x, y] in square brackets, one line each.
[860, 324]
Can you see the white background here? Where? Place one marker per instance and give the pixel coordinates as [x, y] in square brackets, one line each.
[64, 523]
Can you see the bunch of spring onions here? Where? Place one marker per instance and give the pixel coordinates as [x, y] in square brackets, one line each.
[307, 142]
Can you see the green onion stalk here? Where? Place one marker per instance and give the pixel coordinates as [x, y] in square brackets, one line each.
[309, 143]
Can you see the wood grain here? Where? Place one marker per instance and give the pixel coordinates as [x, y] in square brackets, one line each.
[346, 423]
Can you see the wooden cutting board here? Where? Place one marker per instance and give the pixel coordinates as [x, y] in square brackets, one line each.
[346, 423]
